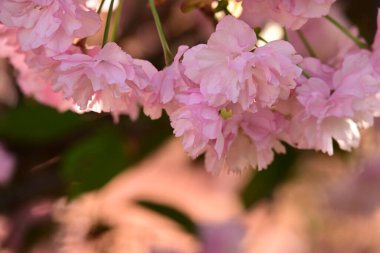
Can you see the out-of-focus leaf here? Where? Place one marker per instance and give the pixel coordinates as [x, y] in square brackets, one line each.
[92, 162]
[265, 182]
[34, 123]
[222, 6]
[182, 219]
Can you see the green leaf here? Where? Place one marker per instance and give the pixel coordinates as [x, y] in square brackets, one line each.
[182, 219]
[94, 161]
[37, 124]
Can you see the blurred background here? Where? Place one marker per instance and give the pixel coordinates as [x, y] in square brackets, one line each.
[81, 183]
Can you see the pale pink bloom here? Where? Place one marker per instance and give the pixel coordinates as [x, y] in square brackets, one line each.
[37, 81]
[52, 24]
[334, 104]
[105, 79]
[252, 146]
[34, 77]
[166, 85]
[199, 125]
[292, 14]
[7, 165]
[349, 91]
[227, 70]
[8, 41]
[312, 133]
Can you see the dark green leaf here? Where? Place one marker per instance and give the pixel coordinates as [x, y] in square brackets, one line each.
[92, 162]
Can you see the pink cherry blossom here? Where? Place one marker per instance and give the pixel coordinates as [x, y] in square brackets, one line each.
[167, 84]
[334, 103]
[34, 72]
[227, 70]
[199, 124]
[292, 14]
[52, 24]
[36, 81]
[307, 132]
[8, 41]
[105, 79]
[251, 140]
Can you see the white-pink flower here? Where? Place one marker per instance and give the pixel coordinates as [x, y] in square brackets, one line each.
[106, 79]
[307, 132]
[199, 125]
[292, 14]
[8, 41]
[52, 24]
[34, 73]
[229, 69]
[167, 84]
[251, 140]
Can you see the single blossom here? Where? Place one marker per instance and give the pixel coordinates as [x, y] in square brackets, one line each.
[292, 14]
[333, 104]
[251, 140]
[200, 125]
[229, 69]
[167, 85]
[51, 24]
[34, 73]
[106, 79]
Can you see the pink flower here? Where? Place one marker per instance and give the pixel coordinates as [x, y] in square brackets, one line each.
[7, 165]
[292, 14]
[36, 81]
[349, 91]
[34, 72]
[334, 104]
[52, 24]
[311, 133]
[8, 41]
[199, 124]
[228, 72]
[105, 79]
[253, 146]
[166, 85]
[245, 140]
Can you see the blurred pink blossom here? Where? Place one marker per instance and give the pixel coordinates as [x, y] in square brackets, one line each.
[292, 14]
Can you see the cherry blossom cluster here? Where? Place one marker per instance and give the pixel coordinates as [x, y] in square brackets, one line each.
[230, 99]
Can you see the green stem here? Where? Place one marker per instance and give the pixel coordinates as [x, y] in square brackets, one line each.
[115, 30]
[261, 38]
[306, 74]
[108, 23]
[308, 46]
[165, 47]
[100, 6]
[286, 36]
[347, 32]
